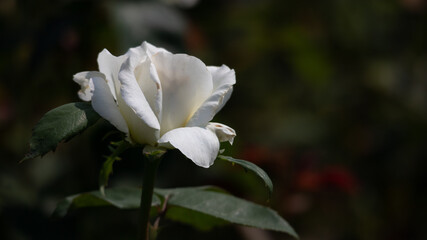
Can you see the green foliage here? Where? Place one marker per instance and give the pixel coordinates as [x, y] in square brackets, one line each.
[252, 167]
[60, 124]
[198, 220]
[228, 208]
[122, 198]
[202, 207]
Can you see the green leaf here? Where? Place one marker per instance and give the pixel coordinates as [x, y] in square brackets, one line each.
[198, 220]
[122, 198]
[163, 192]
[60, 124]
[252, 167]
[202, 207]
[224, 207]
[107, 167]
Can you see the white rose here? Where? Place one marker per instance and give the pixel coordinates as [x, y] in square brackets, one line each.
[162, 99]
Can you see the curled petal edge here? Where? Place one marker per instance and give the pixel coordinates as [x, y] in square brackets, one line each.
[86, 85]
[222, 131]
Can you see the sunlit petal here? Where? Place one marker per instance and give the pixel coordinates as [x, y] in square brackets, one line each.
[222, 76]
[198, 144]
[132, 93]
[149, 82]
[223, 80]
[86, 85]
[223, 132]
[103, 103]
[139, 131]
[110, 65]
[186, 84]
[151, 49]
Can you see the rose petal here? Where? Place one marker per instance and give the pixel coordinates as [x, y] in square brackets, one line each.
[223, 132]
[139, 131]
[149, 82]
[110, 65]
[86, 85]
[132, 93]
[186, 84]
[150, 49]
[158, 100]
[223, 80]
[103, 103]
[222, 76]
[198, 144]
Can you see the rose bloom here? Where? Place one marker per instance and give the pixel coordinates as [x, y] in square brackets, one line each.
[162, 99]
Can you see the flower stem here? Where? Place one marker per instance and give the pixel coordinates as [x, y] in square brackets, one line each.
[152, 158]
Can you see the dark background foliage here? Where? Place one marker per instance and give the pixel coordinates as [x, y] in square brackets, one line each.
[330, 100]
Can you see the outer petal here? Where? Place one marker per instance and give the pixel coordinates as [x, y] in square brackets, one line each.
[223, 80]
[139, 131]
[151, 49]
[132, 93]
[222, 76]
[103, 103]
[83, 79]
[186, 84]
[223, 132]
[110, 65]
[198, 144]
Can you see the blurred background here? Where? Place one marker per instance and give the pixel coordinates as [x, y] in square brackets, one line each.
[330, 100]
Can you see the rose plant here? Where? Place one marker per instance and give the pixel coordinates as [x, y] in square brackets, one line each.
[160, 101]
